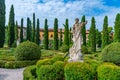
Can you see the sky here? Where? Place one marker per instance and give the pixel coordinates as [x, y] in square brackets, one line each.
[63, 9]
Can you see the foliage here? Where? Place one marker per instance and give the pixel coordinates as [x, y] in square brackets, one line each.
[105, 34]
[57, 58]
[60, 40]
[78, 71]
[16, 33]
[64, 48]
[33, 31]
[56, 34]
[21, 31]
[70, 36]
[28, 30]
[83, 31]
[84, 50]
[26, 49]
[11, 25]
[98, 39]
[92, 35]
[29, 73]
[66, 33]
[46, 42]
[2, 23]
[108, 72]
[111, 53]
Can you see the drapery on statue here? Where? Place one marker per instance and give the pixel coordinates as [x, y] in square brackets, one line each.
[75, 51]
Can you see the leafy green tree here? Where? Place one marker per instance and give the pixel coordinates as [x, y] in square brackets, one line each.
[28, 29]
[37, 33]
[2, 23]
[11, 30]
[83, 31]
[92, 35]
[56, 34]
[98, 38]
[33, 33]
[46, 41]
[66, 33]
[105, 34]
[117, 28]
[60, 43]
[21, 31]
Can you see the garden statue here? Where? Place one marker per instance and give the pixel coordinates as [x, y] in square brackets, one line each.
[75, 51]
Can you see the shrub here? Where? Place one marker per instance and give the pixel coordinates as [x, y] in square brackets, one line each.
[46, 72]
[58, 70]
[111, 53]
[64, 48]
[27, 51]
[78, 71]
[84, 50]
[39, 64]
[108, 72]
[57, 58]
[29, 73]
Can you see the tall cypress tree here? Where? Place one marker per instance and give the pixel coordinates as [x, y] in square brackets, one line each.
[60, 44]
[105, 34]
[33, 33]
[21, 31]
[11, 27]
[70, 36]
[92, 35]
[2, 23]
[16, 31]
[98, 38]
[28, 29]
[56, 34]
[66, 33]
[83, 31]
[46, 42]
[37, 33]
[117, 28]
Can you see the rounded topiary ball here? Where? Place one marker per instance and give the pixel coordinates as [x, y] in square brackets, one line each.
[111, 53]
[27, 51]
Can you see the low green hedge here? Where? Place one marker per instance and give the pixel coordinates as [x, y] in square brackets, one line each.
[108, 72]
[29, 73]
[16, 64]
[78, 71]
[57, 58]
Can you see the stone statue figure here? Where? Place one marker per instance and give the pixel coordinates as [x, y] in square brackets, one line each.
[75, 51]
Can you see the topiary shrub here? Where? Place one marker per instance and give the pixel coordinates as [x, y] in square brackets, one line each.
[58, 70]
[111, 53]
[46, 72]
[27, 51]
[29, 73]
[78, 71]
[57, 58]
[39, 64]
[108, 72]
[64, 48]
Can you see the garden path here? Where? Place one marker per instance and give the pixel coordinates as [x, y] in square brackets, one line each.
[11, 74]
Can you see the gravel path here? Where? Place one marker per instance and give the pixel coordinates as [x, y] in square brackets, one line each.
[11, 74]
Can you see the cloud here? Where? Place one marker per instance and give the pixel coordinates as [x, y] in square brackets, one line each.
[61, 9]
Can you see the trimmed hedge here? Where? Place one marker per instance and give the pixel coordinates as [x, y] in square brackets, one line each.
[16, 64]
[57, 58]
[29, 73]
[78, 71]
[64, 48]
[27, 51]
[111, 53]
[108, 72]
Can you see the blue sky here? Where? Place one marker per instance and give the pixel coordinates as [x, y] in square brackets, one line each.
[63, 9]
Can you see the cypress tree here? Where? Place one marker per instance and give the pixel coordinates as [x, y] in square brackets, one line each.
[56, 34]
[21, 31]
[2, 23]
[83, 31]
[28, 29]
[117, 29]
[33, 33]
[98, 38]
[11, 26]
[16, 31]
[70, 38]
[66, 33]
[37, 33]
[105, 34]
[92, 35]
[60, 44]
[46, 42]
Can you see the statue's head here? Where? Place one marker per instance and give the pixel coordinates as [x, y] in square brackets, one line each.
[76, 20]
